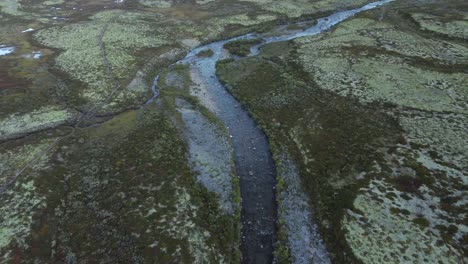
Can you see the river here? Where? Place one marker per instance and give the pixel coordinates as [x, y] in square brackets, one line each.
[253, 160]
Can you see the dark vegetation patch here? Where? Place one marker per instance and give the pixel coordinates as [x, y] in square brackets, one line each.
[407, 183]
[421, 222]
[205, 53]
[241, 47]
[25, 83]
[9, 85]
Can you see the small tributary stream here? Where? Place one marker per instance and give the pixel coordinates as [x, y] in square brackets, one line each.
[253, 161]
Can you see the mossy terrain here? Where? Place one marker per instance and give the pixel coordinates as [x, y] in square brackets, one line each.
[76, 188]
[374, 116]
[205, 53]
[240, 47]
[90, 50]
[16, 125]
[87, 174]
[100, 54]
[105, 192]
[376, 53]
[451, 26]
[293, 9]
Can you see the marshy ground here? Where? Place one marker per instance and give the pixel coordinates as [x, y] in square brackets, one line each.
[366, 123]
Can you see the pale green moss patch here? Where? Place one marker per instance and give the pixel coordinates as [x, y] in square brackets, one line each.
[53, 2]
[123, 35]
[45, 117]
[242, 19]
[157, 3]
[11, 7]
[302, 7]
[20, 8]
[377, 235]
[452, 27]
[17, 217]
[375, 34]
[12, 160]
[136, 91]
[399, 83]
[337, 66]
[202, 2]
[20, 201]
[444, 134]
[218, 25]
[187, 229]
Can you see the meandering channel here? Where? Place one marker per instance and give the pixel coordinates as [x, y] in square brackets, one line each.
[253, 161]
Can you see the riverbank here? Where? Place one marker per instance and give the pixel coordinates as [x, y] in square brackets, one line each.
[349, 106]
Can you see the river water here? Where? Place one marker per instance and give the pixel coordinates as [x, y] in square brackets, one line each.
[253, 160]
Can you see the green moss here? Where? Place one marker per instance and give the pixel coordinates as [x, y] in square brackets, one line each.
[241, 47]
[282, 253]
[20, 198]
[53, 2]
[122, 35]
[405, 212]
[383, 63]
[452, 27]
[11, 7]
[298, 8]
[205, 53]
[15, 224]
[157, 3]
[392, 237]
[46, 117]
[13, 158]
[421, 221]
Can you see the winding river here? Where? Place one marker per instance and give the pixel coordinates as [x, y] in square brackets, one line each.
[253, 160]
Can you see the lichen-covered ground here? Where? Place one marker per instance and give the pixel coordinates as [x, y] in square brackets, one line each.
[374, 113]
[90, 56]
[371, 117]
[121, 190]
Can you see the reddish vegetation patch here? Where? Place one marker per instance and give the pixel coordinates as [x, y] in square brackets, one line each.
[408, 184]
[7, 82]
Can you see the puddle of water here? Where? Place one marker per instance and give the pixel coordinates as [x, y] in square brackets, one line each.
[27, 30]
[4, 50]
[33, 55]
[37, 55]
[155, 90]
